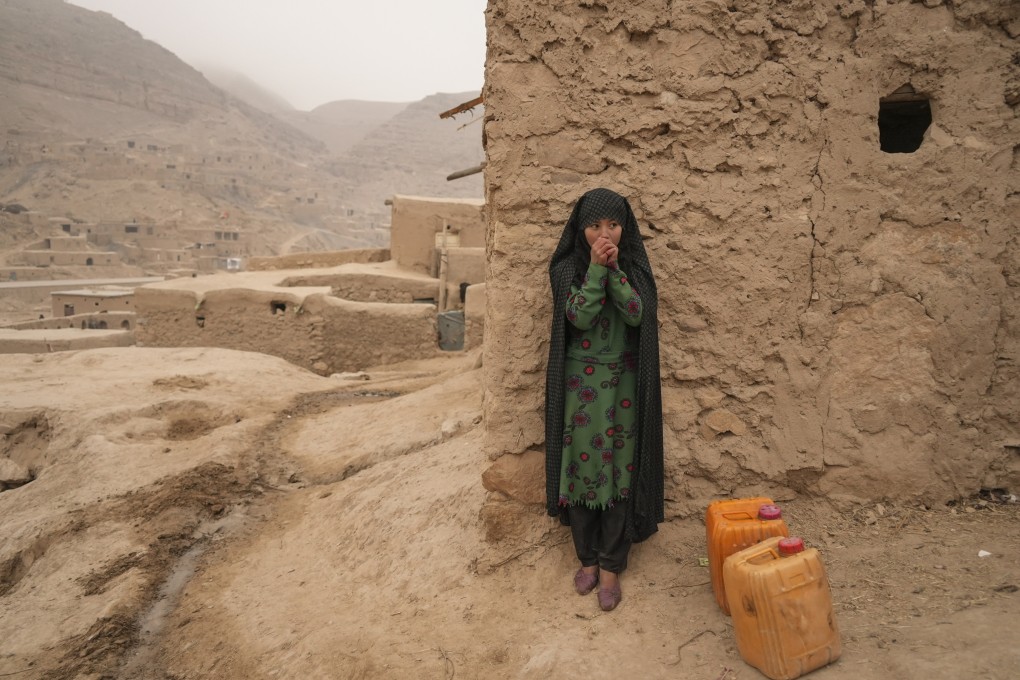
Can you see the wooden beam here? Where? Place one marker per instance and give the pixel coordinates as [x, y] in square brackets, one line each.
[465, 173]
[466, 106]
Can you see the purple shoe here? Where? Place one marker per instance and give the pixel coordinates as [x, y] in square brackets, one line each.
[609, 598]
[585, 583]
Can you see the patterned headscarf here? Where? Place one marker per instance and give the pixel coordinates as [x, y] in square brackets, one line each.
[569, 263]
[600, 204]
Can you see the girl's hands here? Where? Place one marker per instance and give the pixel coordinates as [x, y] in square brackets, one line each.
[603, 251]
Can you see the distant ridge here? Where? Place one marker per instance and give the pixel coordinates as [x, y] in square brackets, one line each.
[415, 151]
[246, 89]
[341, 124]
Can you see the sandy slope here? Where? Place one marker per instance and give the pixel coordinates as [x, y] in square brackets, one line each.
[216, 514]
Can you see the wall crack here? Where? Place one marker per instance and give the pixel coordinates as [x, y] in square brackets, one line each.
[818, 183]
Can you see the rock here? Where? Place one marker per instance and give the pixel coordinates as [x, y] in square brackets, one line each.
[692, 324]
[451, 427]
[13, 474]
[722, 421]
[520, 477]
[360, 375]
[320, 367]
[709, 397]
[507, 519]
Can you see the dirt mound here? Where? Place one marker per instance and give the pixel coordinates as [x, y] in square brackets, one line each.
[180, 382]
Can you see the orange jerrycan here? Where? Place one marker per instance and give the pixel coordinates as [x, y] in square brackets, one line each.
[782, 608]
[731, 526]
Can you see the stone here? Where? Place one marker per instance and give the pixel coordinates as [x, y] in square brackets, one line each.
[506, 519]
[709, 397]
[451, 427]
[360, 375]
[520, 477]
[692, 324]
[722, 421]
[13, 474]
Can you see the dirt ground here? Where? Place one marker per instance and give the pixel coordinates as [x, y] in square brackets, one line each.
[216, 514]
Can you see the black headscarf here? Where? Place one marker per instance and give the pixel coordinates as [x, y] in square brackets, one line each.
[569, 263]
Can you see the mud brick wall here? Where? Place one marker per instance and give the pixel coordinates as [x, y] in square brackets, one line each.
[835, 319]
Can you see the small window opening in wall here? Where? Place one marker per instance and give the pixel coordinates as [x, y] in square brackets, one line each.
[88, 261]
[903, 117]
[200, 321]
[278, 307]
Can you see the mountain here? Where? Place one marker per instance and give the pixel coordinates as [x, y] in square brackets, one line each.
[416, 151]
[100, 124]
[247, 90]
[341, 124]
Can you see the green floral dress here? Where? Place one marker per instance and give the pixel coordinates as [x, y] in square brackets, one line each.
[601, 381]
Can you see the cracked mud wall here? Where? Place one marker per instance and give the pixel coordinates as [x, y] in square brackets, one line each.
[834, 319]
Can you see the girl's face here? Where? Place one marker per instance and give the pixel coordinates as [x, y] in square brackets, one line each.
[610, 229]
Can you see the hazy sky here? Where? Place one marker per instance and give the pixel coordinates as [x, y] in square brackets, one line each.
[314, 51]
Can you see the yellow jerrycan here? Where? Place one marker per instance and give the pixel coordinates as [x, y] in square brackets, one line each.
[734, 524]
[782, 608]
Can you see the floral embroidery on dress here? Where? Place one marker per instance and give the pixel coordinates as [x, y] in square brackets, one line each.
[600, 377]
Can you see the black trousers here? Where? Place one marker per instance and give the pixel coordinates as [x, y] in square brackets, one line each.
[599, 537]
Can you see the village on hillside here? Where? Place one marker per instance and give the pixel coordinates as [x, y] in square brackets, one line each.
[274, 382]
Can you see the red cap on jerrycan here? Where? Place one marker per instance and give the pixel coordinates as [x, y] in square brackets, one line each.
[791, 546]
[769, 511]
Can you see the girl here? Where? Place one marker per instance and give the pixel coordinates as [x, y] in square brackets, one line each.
[603, 419]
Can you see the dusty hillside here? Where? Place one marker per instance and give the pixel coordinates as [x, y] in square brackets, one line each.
[247, 90]
[342, 124]
[101, 124]
[415, 151]
[216, 514]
